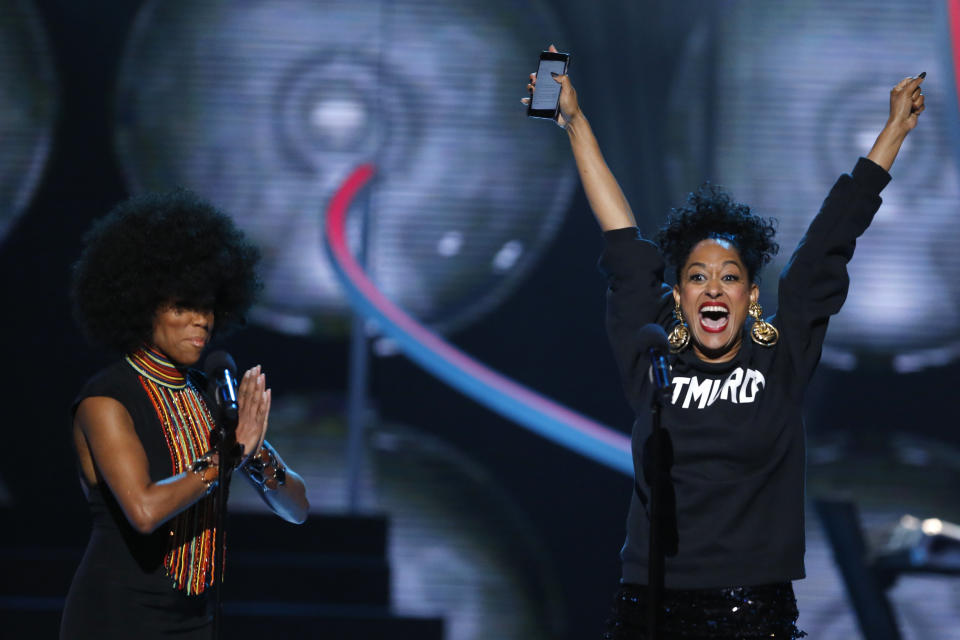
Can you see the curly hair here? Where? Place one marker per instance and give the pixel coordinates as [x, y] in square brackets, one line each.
[155, 250]
[711, 213]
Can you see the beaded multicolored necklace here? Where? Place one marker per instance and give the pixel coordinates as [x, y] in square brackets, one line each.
[156, 367]
[187, 424]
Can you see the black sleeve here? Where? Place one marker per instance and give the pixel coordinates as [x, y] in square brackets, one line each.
[636, 295]
[814, 284]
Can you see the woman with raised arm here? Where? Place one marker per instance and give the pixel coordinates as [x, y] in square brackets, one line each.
[157, 276]
[734, 409]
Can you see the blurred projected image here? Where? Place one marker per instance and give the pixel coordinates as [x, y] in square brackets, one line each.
[27, 107]
[796, 87]
[266, 107]
[460, 547]
[892, 481]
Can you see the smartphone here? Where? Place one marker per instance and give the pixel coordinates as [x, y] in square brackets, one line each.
[545, 102]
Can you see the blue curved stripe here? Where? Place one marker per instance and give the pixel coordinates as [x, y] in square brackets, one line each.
[495, 391]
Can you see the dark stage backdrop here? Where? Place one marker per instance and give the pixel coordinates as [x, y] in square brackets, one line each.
[772, 103]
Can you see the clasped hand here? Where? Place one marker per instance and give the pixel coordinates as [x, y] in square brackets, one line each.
[253, 402]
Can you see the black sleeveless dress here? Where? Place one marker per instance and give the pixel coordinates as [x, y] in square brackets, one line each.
[131, 585]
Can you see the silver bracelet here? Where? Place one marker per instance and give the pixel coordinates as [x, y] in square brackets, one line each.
[264, 469]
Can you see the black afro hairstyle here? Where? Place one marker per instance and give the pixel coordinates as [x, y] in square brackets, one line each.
[710, 213]
[160, 249]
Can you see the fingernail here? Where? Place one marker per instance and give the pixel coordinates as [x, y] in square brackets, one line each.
[554, 74]
[923, 74]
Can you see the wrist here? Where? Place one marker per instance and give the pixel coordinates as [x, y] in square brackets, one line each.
[207, 470]
[265, 469]
[894, 131]
[573, 121]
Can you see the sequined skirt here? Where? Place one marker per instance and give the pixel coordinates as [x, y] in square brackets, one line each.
[735, 613]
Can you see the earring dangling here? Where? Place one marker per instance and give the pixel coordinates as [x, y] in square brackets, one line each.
[679, 336]
[762, 332]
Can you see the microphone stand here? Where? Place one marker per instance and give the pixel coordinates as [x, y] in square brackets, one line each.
[227, 419]
[659, 468]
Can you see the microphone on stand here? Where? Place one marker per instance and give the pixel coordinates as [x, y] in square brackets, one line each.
[658, 458]
[652, 340]
[221, 373]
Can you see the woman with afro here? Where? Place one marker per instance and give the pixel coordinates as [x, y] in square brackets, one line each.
[157, 276]
[733, 411]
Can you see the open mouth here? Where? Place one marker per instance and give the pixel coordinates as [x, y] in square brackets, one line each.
[714, 317]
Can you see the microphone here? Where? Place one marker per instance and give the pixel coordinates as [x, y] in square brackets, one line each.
[221, 373]
[652, 340]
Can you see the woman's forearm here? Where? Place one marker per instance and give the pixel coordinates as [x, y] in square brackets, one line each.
[606, 199]
[160, 501]
[280, 487]
[887, 146]
[289, 500]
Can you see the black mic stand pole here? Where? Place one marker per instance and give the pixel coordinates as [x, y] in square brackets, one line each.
[655, 568]
[226, 443]
[655, 554]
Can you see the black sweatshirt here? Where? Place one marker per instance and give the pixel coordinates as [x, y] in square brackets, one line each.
[736, 427]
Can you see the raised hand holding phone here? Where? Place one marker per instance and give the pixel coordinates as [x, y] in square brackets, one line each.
[603, 192]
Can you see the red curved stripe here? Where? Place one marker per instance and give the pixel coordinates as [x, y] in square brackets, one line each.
[953, 17]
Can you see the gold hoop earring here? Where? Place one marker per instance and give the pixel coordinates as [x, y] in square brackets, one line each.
[762, 332]
[679, 336]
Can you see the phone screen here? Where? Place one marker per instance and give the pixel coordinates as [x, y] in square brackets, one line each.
[547, 95]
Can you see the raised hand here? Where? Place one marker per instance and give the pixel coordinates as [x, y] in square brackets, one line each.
[253, 401]
[906, 103]
[569, 107]
[603, 192]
